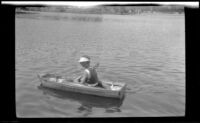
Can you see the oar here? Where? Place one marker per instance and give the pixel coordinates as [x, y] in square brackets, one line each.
[96, 65]
[132, 90]
[128, 89]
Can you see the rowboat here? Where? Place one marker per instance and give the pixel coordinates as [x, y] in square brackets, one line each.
[85, 100]
[114, 90]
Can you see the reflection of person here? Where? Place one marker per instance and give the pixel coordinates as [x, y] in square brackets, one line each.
[86, 109]
[89, 76]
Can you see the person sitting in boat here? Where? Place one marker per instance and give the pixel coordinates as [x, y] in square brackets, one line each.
[89, 76]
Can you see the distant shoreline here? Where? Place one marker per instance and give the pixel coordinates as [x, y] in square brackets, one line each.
[142, 14]
[111, 10]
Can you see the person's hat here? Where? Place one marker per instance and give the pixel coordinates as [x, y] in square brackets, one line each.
[84, 59]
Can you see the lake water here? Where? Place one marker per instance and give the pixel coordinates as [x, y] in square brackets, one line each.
[145, 51]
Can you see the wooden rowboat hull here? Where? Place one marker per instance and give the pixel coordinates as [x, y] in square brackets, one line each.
[52, 81]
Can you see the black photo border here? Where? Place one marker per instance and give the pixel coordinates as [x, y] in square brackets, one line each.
[8, 79]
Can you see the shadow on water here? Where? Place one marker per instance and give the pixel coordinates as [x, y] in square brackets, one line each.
[87, 102]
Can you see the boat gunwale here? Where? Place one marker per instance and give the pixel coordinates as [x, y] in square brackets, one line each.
[122, 85]
[81, 86]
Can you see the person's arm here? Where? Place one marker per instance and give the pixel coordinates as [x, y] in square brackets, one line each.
[84, 77]
[77, 79]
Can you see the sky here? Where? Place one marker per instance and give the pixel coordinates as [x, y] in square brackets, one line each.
[90, 4]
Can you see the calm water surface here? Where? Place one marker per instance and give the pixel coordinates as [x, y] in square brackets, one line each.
[147, 52]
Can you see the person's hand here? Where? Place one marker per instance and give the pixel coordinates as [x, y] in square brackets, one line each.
[77, 79]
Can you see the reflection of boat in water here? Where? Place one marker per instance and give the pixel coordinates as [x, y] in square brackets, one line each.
[87, 101]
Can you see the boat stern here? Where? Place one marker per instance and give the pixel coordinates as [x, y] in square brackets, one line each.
[123, 90]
